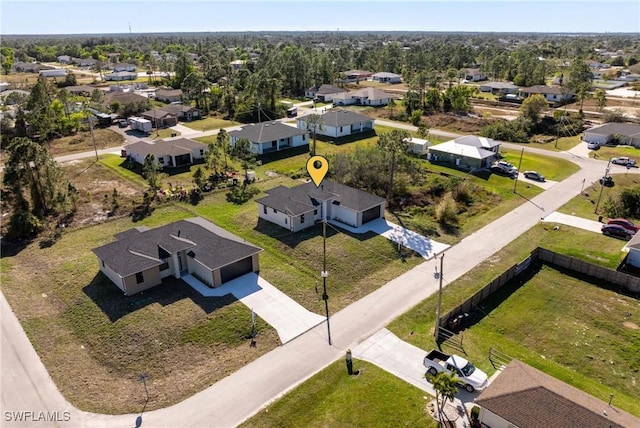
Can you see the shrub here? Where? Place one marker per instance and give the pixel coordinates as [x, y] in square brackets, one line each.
[447, 211]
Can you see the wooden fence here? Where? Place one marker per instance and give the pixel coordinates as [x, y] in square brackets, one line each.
[629, 282]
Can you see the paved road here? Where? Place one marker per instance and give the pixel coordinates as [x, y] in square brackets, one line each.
[242, 394]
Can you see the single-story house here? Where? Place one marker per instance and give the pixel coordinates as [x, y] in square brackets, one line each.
[28, 67]
[299, 207]
[339, 123]
[56, 72]
[418, 146]
[385, 77]
[64, 59]
[125, 97]
[475, 75]
[625, 133]
[123, 66]
[553, 94]
[364, 97]
[168, 153]
[467, 152]
[169, 95]
[121, 75]
[84, 62]
[268, 137]
[160, 118]
[499, 87]
[324, 93]
[80, 89]
[141, 257]
[524, 397]
[182, 112]
[237, 64]
[355, 75]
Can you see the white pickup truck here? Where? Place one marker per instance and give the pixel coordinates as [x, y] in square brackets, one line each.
[471, 378]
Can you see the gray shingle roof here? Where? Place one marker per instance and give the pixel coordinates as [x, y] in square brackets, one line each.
[542, 89]
[302, 199]
[208, 244]
[168, 92]
[329, 89]
[157, 113]
[267, 131]
[625, 129]
[529, 398]
[176, 147]
[335, 118]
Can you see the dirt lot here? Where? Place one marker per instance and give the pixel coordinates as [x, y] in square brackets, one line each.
[81, 141]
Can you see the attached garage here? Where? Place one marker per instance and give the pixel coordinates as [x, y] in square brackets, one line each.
[371, 214]
[234, 270]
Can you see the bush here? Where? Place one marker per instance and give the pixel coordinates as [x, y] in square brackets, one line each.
[447, 211]
[24, 225]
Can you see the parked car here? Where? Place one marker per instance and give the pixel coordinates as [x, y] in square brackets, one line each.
[616, 231]
[507, 167]
[122, 123]
[470, 377]
[501, 171]
[534, 175]
[607, 181]
[593, 145]
[623, 160]
[624, 223]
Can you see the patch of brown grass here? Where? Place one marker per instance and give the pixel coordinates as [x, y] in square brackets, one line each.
[81, 141]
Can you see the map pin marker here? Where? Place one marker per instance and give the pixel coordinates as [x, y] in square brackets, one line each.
[317, 167]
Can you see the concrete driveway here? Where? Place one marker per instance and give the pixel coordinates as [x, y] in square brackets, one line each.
[572, 220]
[281, 312]
[422, 245]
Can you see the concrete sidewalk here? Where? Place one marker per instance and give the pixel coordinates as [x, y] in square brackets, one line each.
[280, 311]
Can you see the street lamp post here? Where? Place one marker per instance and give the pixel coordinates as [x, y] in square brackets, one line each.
[324, 275]
[437, 329]
[143, 378]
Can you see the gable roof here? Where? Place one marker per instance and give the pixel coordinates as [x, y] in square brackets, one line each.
[499, 85]
[520, 392]
[125, 97]
[304, 198]
[180, 146]
[157, 113]
[542, 89]
[168, 92]
[372, 94]
[335, 118]
[462, 150]
[177, 109]
[267, 131]
[329, 89]
[625, 129]
[139, 249]
[384, 74]
[475, 141]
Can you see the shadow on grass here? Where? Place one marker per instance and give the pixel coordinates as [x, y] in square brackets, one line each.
[116, 305]
[12, 248]
[289, 238]
[369, 133]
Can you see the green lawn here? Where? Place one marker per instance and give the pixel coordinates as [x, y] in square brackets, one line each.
[332, 398]
[209, 123]
[159, 134]
[608, 152]
[563, 143]
[552, 168]
[556, 316]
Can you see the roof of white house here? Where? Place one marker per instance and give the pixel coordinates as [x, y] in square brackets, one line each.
[180, 146]
[474, 141]
[267, 131]
[542, 89]
[499, 85]
[462, 150]
[386, 74]
[418, 141]
[624, 129]
[337, 118]
[371, 94]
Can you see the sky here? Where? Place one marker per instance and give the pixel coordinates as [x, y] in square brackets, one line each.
[149, 16]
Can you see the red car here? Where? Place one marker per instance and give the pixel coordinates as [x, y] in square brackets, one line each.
[624, 223]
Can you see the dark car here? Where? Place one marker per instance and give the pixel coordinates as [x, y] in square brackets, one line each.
[534, 175]
[624, 223]
[122, 123]
[607, 181]
[616, 231]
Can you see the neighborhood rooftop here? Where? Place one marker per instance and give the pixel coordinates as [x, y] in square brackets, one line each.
[176, 147]
[267, 131]
[625, 129]
[336, 118]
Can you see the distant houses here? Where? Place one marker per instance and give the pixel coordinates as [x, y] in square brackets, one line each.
[168, 153]
[469, 151]
[268, 137]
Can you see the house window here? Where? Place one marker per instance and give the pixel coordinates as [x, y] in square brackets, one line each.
[315, 212]
[302, 218]
[201, 152]
[161, 159]
[139, 278]
[102, 263]
[275, 211]
[341, 129]
[164, 266]
[264, 209]
[285, 221]
[304, 137]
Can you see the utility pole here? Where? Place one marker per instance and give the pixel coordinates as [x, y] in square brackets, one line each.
[437, 329]
[519, 166]
[604, 180]
[324, 275]
[93, 138]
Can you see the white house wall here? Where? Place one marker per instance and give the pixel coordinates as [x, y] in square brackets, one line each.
[494, 421]
[112, 275]
[343, 215]
[276, 217]
[596, 138]
[202, 272]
